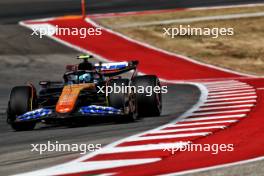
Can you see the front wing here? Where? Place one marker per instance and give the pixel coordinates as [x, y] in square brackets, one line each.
[85, 111]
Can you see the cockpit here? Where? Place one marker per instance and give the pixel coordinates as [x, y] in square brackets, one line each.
[81, 76]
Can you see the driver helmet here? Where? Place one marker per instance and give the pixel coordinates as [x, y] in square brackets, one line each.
[85, 78]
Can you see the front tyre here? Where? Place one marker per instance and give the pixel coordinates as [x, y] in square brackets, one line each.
[22, 99]
[123, 100]
[149, 103]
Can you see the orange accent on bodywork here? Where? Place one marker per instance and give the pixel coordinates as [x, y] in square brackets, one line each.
[69, 96]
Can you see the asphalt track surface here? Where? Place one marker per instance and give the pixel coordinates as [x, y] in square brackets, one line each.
[13, 10]
[25, 58]
[17, 157]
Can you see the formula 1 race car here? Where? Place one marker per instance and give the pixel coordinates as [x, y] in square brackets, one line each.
[88, 90]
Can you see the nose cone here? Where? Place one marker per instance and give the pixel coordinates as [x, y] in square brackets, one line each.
[69, 97]
[63, 109]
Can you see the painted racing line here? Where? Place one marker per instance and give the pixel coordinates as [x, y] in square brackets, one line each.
[228, 112]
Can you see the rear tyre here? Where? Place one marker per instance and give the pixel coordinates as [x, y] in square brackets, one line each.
[122, 100]
[148, 103]
[22, 100]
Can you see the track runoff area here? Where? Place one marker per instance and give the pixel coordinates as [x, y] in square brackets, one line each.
[227, 116]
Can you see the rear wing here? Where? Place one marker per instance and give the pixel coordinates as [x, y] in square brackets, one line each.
[116, 68]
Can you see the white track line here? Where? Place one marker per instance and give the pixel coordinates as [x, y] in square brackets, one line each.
[231, 95]
[235, 98]
[221, 112]
[226, 85]
[231, 92]
[229, 86]
[214, 117]
[74, 167]
[148, 147]
[229, 102]
[219, 82]
[226, 107]
[189, 129]
[183, 135]
[203, 123]
[219, 166]
[230, 89]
